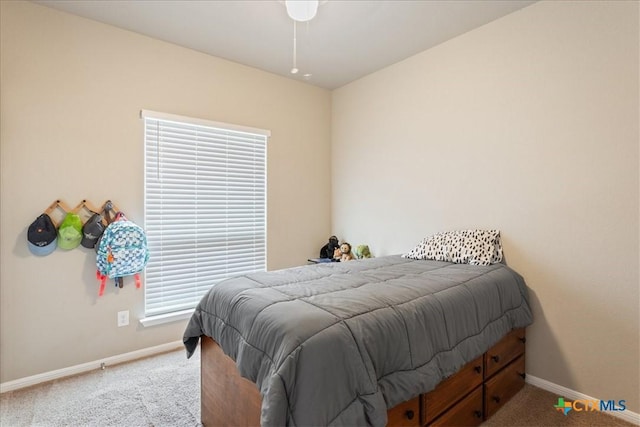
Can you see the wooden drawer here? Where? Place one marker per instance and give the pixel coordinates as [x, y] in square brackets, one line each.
[507, 349]
[503, 386]
[467, 412]
[405, 414]
[449, 391]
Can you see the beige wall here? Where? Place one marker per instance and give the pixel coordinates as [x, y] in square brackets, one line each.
[71, 92]
[530, 125]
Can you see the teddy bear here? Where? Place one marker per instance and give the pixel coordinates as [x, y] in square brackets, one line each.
[346, 254]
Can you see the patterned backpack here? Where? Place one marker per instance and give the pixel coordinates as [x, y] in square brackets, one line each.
[122, 251]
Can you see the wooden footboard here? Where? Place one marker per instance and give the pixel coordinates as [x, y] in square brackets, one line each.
[226, 399]
[467, 398]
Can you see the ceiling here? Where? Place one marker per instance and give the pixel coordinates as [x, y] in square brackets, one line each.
[345, 41]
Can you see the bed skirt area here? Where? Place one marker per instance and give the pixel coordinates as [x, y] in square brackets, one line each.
[466, 398]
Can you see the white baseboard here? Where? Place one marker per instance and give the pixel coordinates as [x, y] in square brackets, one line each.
[86, 367]
[561, 391]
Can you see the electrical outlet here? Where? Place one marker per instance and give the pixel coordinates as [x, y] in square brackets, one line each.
[123, 318]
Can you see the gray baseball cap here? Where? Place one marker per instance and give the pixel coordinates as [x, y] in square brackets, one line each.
[91, 231]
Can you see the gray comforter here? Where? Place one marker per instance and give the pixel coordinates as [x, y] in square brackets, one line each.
[339, 343]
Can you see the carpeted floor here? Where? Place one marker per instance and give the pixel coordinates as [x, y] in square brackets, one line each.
[157, 391]
[533, 407]
[164, 391]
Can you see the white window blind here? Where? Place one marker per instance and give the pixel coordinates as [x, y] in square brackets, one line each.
[205, 207]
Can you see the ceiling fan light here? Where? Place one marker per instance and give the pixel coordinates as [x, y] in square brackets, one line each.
[302, 10]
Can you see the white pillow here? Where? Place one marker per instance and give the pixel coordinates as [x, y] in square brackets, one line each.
[475, 247]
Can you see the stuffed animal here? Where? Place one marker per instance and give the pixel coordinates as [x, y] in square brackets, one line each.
[329, 250]
[362, 251]
[337, 254]
[345, 250]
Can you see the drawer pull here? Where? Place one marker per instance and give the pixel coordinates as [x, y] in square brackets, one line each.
[523, 339]
[478, 369]
[477, 414]
[409, 414]
[523, 375]
[496, 399]
[495, 358]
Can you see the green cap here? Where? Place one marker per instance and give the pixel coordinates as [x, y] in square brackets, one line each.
[70, 232]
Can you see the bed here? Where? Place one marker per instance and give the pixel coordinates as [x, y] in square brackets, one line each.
[365, 342]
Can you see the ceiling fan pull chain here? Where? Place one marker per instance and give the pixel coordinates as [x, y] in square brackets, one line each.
[294, 70]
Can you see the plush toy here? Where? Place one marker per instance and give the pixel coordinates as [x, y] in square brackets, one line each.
[345, 250]
[337, 254]
[329, 250]
[362, 251]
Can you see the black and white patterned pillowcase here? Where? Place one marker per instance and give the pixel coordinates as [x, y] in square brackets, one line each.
[484, 245]
[474, 247]
[417, 252]
[466, 247]
[497, 247]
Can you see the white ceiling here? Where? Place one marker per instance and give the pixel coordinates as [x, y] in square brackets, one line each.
[345, 41]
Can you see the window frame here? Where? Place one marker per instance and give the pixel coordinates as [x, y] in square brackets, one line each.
[238, 133]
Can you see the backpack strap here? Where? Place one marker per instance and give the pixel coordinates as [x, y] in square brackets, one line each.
[103, 282]
[108, 211]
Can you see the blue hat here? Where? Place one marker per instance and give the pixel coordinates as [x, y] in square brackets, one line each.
[42, 236]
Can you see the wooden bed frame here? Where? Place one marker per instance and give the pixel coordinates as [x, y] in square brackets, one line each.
[467, 398]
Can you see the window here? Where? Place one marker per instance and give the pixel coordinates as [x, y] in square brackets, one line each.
[204, 208]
